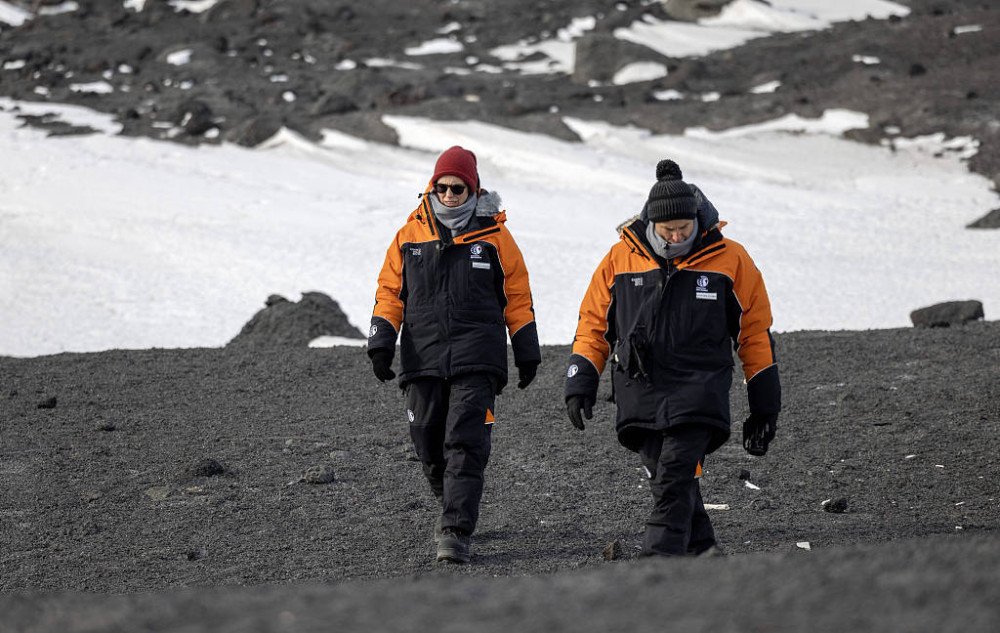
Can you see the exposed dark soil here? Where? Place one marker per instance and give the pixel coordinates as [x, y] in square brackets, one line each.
[151, 472]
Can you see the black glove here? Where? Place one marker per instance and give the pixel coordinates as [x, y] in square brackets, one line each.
[575, 405]
[381, 364]
[758, 431]
[525, 374]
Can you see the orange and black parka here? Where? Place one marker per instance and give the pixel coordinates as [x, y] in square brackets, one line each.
[454, 300]
[669, 329]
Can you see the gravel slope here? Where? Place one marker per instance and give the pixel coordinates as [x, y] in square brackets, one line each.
[181, 479]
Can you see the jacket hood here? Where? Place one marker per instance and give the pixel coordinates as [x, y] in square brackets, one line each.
[490, 203]
[708, 220]
[708, 215]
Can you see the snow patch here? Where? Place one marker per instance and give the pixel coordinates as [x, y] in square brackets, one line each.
[439, 46]
[639, 71]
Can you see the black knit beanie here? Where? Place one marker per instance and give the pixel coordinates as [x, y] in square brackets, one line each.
[670, 198]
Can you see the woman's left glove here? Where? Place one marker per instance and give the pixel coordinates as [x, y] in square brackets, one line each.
[758, 431]
[526, 373]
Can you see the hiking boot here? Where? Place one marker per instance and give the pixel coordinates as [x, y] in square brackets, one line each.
[712, 551]
[437, 530]
[453, 546]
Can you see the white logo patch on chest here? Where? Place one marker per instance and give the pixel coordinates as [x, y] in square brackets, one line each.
[701, 289]
[476, 255]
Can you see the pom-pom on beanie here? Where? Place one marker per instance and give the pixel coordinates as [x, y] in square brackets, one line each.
[457, 161]
[670, 198]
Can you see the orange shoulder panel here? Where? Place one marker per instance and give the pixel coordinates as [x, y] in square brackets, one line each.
[592, 330]
[388, 304]
[754, 339]
[520, 310]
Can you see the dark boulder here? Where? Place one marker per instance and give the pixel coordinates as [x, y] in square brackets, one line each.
[208, 467]
[195, 117]
[600, 55]
[989, 221]
[947, 314]
[255, 131]
[367, 125]
[334, 103]
[693, 10]
[284, 323]
[230, 10]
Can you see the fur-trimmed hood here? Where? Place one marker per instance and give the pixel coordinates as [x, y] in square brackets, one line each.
[489, 204]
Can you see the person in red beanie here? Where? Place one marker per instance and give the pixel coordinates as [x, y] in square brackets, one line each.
[452, 288]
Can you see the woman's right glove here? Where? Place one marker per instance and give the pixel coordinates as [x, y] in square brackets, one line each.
[382, 364]
[758, 431]
[579, 407]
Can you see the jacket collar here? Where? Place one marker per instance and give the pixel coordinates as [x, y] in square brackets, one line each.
[633, 233]
[488, 215]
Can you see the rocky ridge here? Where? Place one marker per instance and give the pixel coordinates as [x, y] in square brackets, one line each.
[244, 68]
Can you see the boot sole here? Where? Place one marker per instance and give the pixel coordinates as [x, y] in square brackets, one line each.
[451, 557]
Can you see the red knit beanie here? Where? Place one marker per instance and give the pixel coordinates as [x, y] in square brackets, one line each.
[457, 161]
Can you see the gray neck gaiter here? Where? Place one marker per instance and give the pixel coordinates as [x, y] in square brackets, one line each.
[455, 218]
[666, 250]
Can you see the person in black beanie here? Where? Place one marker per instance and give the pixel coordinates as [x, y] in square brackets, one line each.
[667, 305]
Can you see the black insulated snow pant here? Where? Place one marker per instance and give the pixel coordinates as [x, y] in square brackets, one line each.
[678, 524]
[448, 425]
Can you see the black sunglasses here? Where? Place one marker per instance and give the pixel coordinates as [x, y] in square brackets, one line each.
[455, 189]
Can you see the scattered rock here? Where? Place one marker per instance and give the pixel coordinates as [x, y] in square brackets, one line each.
[744, 475]
[284, 323]
[195, 117]
[255, 131]
[947, 314]
[208, 467]
[838, 506]
[48, 403]
[158, 493]
[318, 475]
[105, 425]
[613, 550]
[197, 554]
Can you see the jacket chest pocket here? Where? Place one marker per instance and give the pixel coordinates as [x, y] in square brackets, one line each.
[698, 314]
[474, 272]
[421, 272]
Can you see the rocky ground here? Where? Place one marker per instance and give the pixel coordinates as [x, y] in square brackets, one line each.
[217, 487]
[263, 488]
